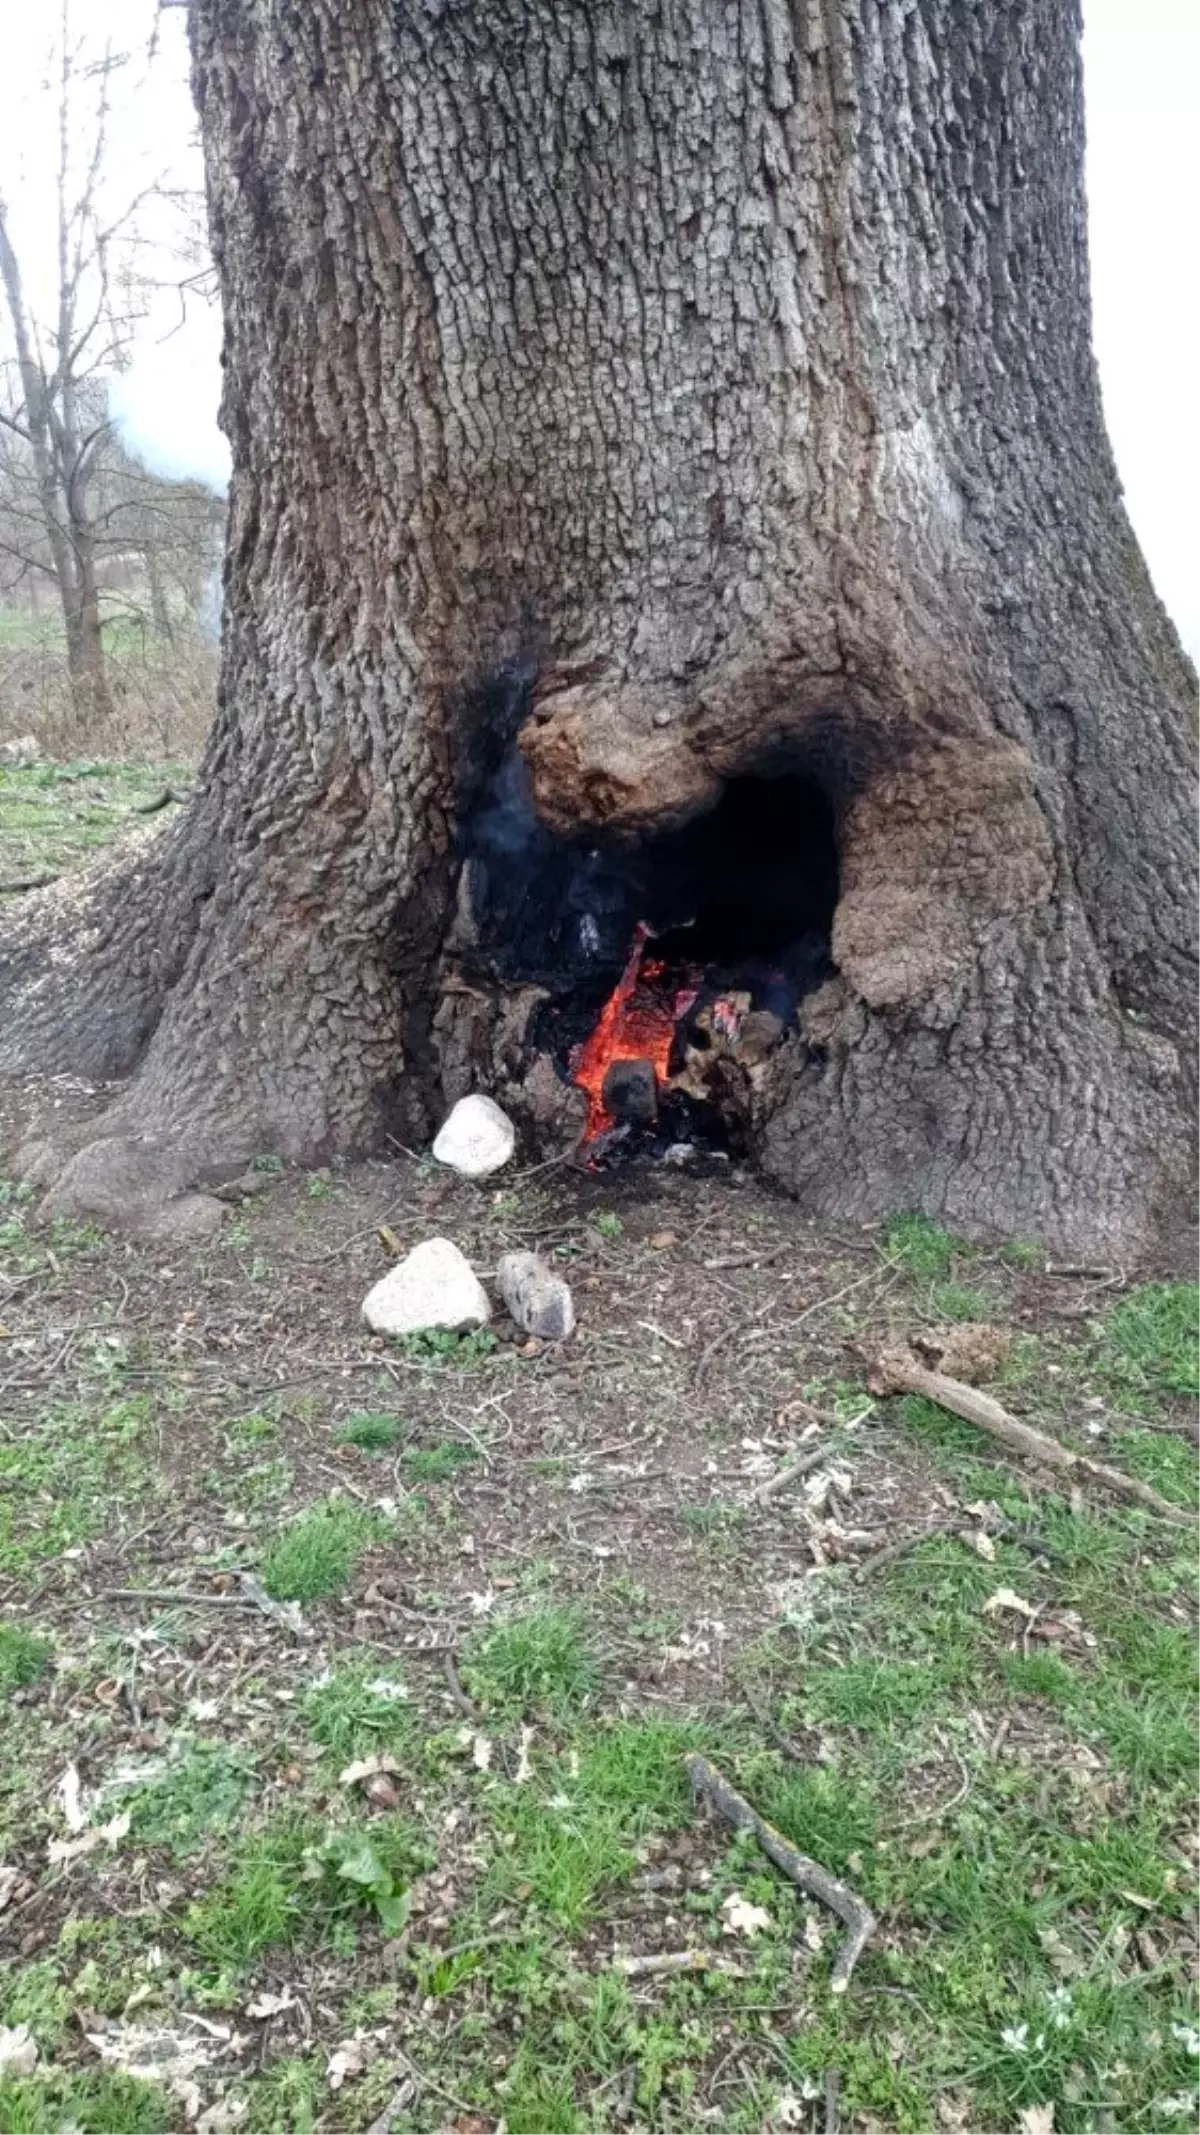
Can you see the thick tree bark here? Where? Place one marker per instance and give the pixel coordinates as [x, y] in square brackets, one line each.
[723, 366]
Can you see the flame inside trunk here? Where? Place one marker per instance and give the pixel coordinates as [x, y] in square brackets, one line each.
[637, 1022]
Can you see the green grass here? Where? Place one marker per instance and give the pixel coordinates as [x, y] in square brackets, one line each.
[24, 1658]
[360, 1707]
[440, 1346]
[925, 1252]
[80, 1469]
[93, 2104]
[370, 1433]
[54, 816]
[437, 1464]
[318, 1554]
[297, 1884]
[540, 1662]
[201, 1793]
[954, 1301]
[1150, 1340]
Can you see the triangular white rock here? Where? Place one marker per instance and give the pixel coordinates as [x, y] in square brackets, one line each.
[433, 1287]
[476, 1138]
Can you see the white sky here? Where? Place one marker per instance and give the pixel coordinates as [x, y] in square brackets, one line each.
[1142, 62]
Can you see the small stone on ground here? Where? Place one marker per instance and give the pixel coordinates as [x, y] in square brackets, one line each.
[432, 1289]
[477, 1138]
[539, 1300]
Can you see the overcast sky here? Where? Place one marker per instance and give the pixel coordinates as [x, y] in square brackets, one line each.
[1142, 63]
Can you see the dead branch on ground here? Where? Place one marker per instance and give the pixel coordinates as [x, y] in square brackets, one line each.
[806, 1874]
[897, 1371]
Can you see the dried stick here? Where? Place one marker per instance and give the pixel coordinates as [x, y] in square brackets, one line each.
[897, 1371]
[799, 1464]
[465, 1705]
[807, 1875]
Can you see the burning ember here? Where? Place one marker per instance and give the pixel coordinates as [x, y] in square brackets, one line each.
[637, 1022]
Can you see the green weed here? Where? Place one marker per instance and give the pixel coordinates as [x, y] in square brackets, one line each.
[199, 1794]
[439, 1346]
[919, 1247]
[23, 1657]
[1151, 1338]
[542, 1661]
[437, 1464]
[953, 1301]
[92, 2104]
[608, 1224]
[318, 1554]
[359, 1707]
[298, 1885]
[370, 1433]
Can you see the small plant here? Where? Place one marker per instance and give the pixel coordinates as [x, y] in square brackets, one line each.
[291, 1884]
[363, 1706]
[953, 1301]
[919, 1247]
[269, 1166]
[91, 2103]
[201, 1793]
[437, 1345]
[541, 1661]
[1023, 1253]
[319, 1187]
[351, 1858]
[23, 1657]
[608, 1223]
[370, 1433]
[317, 1555]
[1151, 1338]
[437, 1464]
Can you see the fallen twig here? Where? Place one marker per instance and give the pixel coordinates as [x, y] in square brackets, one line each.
[382, 2124]
[782, 1742]
[160, 800]
[891, 1550]
[833, 2087]
[806, 1874]
[897, 1371]
[790, 1472]
[666, 1961]
[465, 1705]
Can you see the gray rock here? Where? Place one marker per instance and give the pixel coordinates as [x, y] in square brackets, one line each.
[476, 1139]
[433, 1287]
[538, 1299]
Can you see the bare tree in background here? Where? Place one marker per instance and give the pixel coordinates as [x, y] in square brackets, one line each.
[68, 493]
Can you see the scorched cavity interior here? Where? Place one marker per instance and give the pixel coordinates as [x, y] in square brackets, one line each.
[663, 950]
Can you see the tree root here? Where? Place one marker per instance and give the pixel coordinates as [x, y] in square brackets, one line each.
[806, 1874]
[897, 1371]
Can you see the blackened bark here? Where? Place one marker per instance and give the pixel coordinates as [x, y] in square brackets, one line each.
[726, 364]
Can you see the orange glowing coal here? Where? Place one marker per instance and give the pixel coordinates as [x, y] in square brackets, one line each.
[637, 1022]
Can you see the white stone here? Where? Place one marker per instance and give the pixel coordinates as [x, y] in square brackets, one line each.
[538, 1299]
[476, 1138]
[432, 1287]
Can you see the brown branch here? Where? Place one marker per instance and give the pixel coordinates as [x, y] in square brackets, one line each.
[897, 1371]
[26, 882]
[806, 1874]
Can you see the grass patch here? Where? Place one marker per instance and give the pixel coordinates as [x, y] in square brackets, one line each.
[540, 1662]
[954, 1301]
[297, 1884]
[74, 1473]
[93, 2104]
[437, 1464]
[925, 1252]
[24, 1658]
[1151, 1339]
[318, 1554]
[370, 1433]
[358, 1708]
[436, 1345]
[201, 1793]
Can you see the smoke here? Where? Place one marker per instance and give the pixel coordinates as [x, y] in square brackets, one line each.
[165, 403]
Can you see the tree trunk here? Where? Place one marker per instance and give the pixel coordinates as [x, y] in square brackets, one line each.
[708, 386]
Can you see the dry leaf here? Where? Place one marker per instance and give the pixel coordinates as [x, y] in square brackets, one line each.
[265, 2005]
[69, 1794]
[742, 1918]
[814, 1935]
[365, 1768]
[1036, 2120]
[9, 1878]
[524, 1771]
[1004, 1598]
[481, 1752]
[984, 1546]
[348, 2059]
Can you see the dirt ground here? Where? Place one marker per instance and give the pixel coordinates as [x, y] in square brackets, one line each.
[396, 1831]
[347, 1686]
